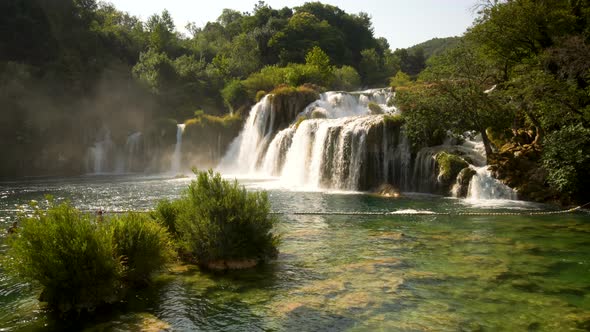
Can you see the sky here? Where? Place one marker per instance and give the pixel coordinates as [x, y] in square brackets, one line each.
[403, 23]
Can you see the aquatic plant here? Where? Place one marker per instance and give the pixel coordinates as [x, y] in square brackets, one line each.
[144, 246]
[218, 221]
[82, 262]
[70, 255]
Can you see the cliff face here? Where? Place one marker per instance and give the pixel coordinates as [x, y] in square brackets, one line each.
[519, 166]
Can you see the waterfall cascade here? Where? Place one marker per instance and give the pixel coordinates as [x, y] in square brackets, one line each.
[341, 142]
[175, 165]
[484, 186]
[106, 157]
[97, 160]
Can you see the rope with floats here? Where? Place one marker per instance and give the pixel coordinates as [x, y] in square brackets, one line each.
[101, 212]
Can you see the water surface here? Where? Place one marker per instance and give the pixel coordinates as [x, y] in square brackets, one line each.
[352, 273]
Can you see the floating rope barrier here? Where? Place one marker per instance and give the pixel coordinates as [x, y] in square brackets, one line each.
[362, 213]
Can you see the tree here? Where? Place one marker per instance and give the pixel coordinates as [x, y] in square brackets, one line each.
[461, 79]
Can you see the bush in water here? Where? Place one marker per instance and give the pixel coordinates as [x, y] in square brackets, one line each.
[218, 222]
[80, 263]
[144, 246]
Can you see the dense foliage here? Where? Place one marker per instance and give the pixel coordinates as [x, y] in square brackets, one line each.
[69, 68]
[219, 221]
[520, 77]
[82, 262]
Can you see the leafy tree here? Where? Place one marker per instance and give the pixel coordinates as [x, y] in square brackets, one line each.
[346, 78]
[567, 158]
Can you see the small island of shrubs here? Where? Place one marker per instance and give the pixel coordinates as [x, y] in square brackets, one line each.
[83, 261]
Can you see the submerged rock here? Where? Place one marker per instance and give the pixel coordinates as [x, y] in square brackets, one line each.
[222, 265]
[386, 190]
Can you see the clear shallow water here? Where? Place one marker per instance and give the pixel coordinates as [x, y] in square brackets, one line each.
[353, 273]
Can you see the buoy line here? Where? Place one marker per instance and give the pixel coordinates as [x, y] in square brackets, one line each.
[360, 213]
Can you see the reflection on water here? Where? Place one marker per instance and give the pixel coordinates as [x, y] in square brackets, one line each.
[354, 273]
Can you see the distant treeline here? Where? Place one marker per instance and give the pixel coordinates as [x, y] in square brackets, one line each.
[70, 67]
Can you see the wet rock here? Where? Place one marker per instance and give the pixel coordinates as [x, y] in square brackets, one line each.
[222, 265]
[386, 190]
[463, 180]
[449, 167]
[518, 165]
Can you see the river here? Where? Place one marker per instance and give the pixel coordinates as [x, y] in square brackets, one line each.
[399, 272]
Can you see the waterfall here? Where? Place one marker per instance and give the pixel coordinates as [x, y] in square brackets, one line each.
[424, 173]
[245, 152]
[484, 186]
[177, 156]
[341, 142]
[97, 160]
[133, 160]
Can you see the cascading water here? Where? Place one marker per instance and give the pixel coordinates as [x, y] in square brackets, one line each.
[175, 166]
[316, 153]
[133, 160]
[97, 160]
[341, 142]
[245, 152]
[484, 186]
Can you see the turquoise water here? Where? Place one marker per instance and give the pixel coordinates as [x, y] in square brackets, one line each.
[344, 273]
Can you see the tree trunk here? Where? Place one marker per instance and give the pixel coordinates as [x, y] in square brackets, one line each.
[537, 124]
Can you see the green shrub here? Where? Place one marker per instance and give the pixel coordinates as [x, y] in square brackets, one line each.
[266, 79]
[219, 220]
[143, 245]
[69, 255]
[82, 264]
[374, 108]
[400, 79]
[260, 94]
[235, 94]
[566, 157]
[166, 213]
[346, 78]
[394, 120]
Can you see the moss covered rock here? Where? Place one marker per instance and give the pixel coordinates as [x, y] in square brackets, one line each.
[519, 167]
[449, 166]
[374, 108]
[288, 102]
[463, 180]
[206, 138]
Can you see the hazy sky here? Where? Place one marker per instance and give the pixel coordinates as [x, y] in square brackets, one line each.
[403, 22]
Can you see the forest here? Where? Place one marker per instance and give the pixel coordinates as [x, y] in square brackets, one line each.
[519, 76]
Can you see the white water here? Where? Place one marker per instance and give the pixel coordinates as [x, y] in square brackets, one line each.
[338, 104]
[175, 166]
[300, 155]
[343, 150]
[245, 151]
[133, 151]
[97, 156]
[483, 186]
